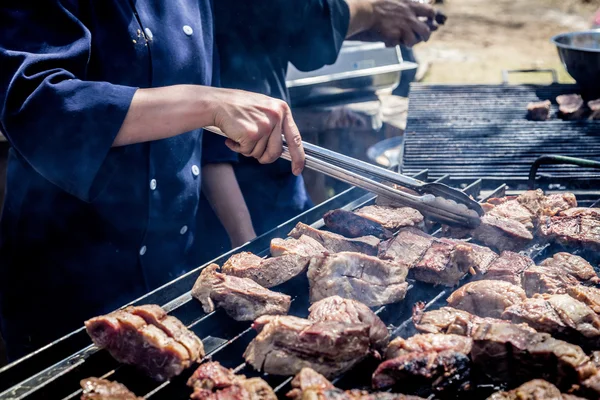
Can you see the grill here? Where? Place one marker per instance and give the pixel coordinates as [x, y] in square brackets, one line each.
[477, 131]
[54, 371]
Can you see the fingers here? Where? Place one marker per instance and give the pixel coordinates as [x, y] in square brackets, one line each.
[294, 143]
[409, 38]
[421, 30]
[274, 147]
[423, 10]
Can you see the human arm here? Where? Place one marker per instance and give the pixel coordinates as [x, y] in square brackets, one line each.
[221, 188]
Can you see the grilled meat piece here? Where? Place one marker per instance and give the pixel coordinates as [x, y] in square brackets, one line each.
[570, 106]
[241, 298]
[558, 202]
[537, 389]
[392, 218]
[408, 246]
[577, 228]
[513, 208]
[352, 225]
[337, 243]
[508, 267]
[586, 294]
[556, 274]
[449, 320]
[512, 354]
[335, 308]
[486, 298]
[157, 344]
[538, 110]
[212, 381]
[502, 233]
[286, 344]
[594, 106]
[308, 380]
[560, 315]
[102, 389]
[290, 259]
[356, 276]
[427, 342]
[422, 373]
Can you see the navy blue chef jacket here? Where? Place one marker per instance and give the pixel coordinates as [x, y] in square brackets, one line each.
[85, 227]
[256, 40]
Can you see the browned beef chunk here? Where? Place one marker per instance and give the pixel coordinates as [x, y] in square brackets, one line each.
[576, 227]
[594, 106]
[425, 372]
[538, 110]
[308, 380]
[558, 202]
[337, 243]
[408, 246]
[102, 389]
[290, 259]
[427, 342]
[160, 346]
[356, 276]
[570, 106]
[353, 225]
[286, 344]
[590, 387]
[556, 274]
[335, 308]
[537, 389]
[512, 354]
[515, 208]
[586, 294]
[560, 315]
[508, 267]
[241, 298]
[449, 320]
[502, 233]
[486, 298]
[392, 218]
[212, 381]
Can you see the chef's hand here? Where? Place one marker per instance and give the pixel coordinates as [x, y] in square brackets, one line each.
[254, 124]
[394, 22]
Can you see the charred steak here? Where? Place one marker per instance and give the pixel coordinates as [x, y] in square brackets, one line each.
[337, 243]
[212, 381]
[538, 110]
[356, 276]
[241, 298]
[335, 308]
[408, 246]
[285, 344]
[290, 258]
[579, 227]
[508, 267]
[147, 338]
[102, 389]
[427, 342]
[353, 225]
[392, 218]
[486, 298]
[586, 294]
[537, 389]
[570, 106]
[502, 233]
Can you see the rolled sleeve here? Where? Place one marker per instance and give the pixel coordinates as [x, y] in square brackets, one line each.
[59, 123]
[214, 150]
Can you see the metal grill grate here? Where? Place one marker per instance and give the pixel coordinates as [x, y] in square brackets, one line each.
[481, 131]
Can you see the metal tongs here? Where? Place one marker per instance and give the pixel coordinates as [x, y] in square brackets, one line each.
[435, 200]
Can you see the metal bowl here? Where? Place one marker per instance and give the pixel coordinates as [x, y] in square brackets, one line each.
[580, 55]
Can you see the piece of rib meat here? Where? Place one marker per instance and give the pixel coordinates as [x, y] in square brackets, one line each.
[212, 381]
[408, 246]
[576, 228]
[537, 389]
[588, 295]
[291, 258]
[538, 110]
[241, 298]
[427, 342]
[286, 344]
[570, 106]
[102, 389]
[353, 225]
[392, 218]
[508, 267]
[486, 298]
[337, 243]
[556, 274]
[423, 373]
[356, 276]
[336, 308]
[502, 233]
[161, 347]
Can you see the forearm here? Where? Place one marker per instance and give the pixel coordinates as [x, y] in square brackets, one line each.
[159, 113]
[221, 188]
[361, 16]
